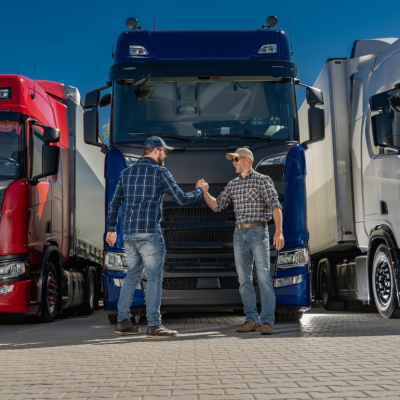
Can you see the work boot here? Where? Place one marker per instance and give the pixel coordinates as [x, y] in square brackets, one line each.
[267, 329]
[248, 326]
[160, 331]
[127, 328]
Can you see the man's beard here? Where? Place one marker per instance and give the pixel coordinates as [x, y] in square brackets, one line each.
[160, 162]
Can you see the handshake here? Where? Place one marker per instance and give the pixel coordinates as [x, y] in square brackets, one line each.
[202, 184]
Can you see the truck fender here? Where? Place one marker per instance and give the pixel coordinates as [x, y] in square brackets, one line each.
[51, 251]
[383, 234]
[86, 275]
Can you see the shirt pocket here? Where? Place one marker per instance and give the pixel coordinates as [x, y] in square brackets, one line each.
[251, 195]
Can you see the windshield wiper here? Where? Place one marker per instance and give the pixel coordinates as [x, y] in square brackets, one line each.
[243, 137]
[177, 137]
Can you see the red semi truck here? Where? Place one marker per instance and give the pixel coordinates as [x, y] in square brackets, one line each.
[51, 199]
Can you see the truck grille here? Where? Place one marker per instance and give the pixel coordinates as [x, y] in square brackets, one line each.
[275, 172]
[194, 214]
[215, 189]
[205, 250]
[201, 259]
[199, 235]
[191, 283]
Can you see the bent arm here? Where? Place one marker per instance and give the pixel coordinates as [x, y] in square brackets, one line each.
[211, 201]
[171, 188]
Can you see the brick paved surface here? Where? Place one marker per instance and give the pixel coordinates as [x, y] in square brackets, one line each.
[325, 356]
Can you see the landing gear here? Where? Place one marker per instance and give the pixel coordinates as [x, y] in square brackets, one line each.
[383, 283]
[326, 287]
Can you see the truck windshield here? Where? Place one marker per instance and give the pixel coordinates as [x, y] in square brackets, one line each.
[200, 110]
[11, 149]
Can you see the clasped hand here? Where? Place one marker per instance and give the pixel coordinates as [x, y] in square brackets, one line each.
[202, 184]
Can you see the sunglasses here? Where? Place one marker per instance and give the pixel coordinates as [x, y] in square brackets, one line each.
[236, 159]
[162, 148]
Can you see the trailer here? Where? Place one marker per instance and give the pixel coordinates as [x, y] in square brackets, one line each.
[352, 186]
[52, 202]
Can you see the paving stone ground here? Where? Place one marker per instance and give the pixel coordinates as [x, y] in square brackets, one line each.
[327, 355]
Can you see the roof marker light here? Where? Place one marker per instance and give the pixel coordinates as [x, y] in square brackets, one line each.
[268, 49]
[137, 51]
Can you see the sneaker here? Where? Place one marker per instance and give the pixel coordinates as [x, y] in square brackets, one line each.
[127, 329]
[248, 326]
[160, 331]
[267, 329]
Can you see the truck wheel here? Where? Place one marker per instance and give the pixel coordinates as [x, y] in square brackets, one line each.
[49, 293]
[288, 317]
[383, 283]
[88, 307]
[325, 285]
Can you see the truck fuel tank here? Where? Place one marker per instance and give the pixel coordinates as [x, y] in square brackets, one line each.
[73, 289]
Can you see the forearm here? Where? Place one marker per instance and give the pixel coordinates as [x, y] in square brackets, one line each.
[277, 215]
[211, 202]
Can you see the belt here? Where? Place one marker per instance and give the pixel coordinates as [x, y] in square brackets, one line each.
[251, 225]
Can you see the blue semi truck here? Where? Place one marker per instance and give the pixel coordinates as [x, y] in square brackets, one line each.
[207, 93]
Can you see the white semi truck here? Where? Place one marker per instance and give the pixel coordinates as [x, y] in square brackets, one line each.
[353, 180]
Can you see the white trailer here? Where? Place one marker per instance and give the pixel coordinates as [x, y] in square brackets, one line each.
[353, 185]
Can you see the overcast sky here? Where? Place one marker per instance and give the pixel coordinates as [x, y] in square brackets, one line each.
[70, 41]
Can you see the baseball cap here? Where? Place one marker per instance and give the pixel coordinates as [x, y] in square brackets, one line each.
[155, 141]
[242, 152]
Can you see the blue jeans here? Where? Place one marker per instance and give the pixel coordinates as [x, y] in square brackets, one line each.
[253, 245]
[145, 252]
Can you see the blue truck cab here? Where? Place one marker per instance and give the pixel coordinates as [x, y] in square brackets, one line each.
[207, 93]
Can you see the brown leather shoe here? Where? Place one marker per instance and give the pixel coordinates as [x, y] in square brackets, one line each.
[160, 331]
[248, 326]
[267, 329]
[127, 329]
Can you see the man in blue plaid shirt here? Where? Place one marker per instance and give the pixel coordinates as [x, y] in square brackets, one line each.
[141, 188]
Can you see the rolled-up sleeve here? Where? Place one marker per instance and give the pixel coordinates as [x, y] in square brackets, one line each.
[172, 189]
[224, 199]
[270, 195]
[115, 205]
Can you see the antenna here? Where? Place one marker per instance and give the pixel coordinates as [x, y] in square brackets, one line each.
[34, 82]
[154, 21]
[291, 43]
[112, 50]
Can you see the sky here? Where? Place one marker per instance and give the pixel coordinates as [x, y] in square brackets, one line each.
[71, 42]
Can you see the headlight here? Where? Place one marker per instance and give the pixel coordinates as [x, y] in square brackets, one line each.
[290, 280]
[130, 160]
[5, 93]
[293, 258]
[116, 262]
[268, 49]
[6, 289]
[137, 51]
[275, 160]
[12, 270]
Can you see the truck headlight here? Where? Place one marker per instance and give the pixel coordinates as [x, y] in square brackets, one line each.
[12, 270]
[137, 51]
[293, 258]
[289, 280]
[268, 49]
[274, 160]
[116, 261]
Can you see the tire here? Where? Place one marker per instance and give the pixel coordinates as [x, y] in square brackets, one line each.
[87, 308]
[288, 317]
[325, 287]
[353, 305]
[49, 293]
[384, 284]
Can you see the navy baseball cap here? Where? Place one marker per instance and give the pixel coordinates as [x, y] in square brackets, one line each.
[155, 141]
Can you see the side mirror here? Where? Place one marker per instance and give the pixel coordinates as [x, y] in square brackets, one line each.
[92, 99]
[316, 116]
[105, 100]
[382, 130]
[51, 135]
[50, 156]
[91, 127]
[314, 96]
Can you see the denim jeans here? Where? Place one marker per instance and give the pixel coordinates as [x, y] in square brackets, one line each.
[145, 252]
[253, 245]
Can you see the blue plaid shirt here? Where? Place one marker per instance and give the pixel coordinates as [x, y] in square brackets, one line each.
[141, 187]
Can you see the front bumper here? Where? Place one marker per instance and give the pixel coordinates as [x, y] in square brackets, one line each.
[18, 300]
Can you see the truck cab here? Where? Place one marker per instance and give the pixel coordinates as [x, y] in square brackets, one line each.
[207, 93]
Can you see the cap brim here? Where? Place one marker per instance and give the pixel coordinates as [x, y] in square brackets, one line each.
[168, 148]
[230, 156]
